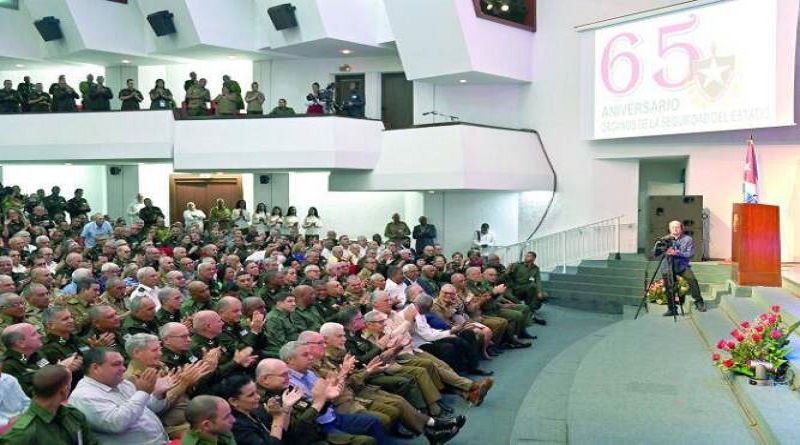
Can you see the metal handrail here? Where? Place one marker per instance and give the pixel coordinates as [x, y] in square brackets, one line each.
[596, 240]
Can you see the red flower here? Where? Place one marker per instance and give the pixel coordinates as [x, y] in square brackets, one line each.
[728, 363]
[737, 335]
[776, 308]
[756, 338]
[776, 334]
[721, 344]
[760, 328]
[715, 357]
[745, 324]
[763, 317]
[772, 319]
[731, 345]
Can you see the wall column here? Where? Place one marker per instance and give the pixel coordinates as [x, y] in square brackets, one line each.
[116, 76]
[122, 185]
[272, 189]
[262, 73]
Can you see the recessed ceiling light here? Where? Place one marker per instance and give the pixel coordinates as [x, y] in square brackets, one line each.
[231, 57]
[125, 61]
[347, 51]
[462, 80]
[68, 163]
[19, 65]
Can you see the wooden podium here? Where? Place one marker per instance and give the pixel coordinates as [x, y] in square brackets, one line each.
[756, 245]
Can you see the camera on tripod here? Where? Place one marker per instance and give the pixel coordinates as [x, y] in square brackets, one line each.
[663, 243]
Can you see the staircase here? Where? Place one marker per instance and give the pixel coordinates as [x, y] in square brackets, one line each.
[607, 285]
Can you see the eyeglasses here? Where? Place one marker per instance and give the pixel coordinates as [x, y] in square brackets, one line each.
[179, 336]
[382, 320]
[321, 342]
[283, 374]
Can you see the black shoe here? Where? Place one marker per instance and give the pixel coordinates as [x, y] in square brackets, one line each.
[403, 432]
[670, 313]
[444, 423]
[492, 352]
[481, 372]
[700, 305]
[526, 335]
[447, 409]
[437, 436]
[540, 321]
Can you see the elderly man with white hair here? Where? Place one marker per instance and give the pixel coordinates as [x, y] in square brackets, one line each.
[148, 285]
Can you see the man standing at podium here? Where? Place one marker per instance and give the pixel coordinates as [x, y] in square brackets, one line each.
[681, 251]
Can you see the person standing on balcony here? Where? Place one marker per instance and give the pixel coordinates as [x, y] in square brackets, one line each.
[425, 234]
[484, 239]
[191, 81]
[63, 95]
[282, 109]
[99, 96]
[83, 87]
[196, 98]
[314, 102]
[397, 231]
[354, 105]
[160, 96]
[227, 103]
[255, 100]
[234, 89]
[130, 97]
[9, 99]
[38, 100]
[25, 91]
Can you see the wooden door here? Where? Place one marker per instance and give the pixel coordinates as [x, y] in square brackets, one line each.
[397, 101]
[203, 191]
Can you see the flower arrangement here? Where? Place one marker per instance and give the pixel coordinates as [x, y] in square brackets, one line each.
[765, 339]
[657, 292]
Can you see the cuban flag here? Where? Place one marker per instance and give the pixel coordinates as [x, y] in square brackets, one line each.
[750, 186]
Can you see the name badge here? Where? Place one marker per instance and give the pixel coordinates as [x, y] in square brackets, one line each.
[192, 359]
[243, 332]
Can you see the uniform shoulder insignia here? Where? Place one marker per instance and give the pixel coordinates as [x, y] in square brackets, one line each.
[302, 404]
[192, 359]
[24, 420]
[42, 363]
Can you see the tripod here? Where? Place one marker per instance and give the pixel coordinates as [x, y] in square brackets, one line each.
[673, 297]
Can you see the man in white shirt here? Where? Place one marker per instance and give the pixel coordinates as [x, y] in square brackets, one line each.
[14, 401]
[148, 285]
[119, 411]
[395, 285]
[484, 239]
[134, 207]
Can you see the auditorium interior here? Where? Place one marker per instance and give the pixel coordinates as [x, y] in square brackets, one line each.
[573, 129]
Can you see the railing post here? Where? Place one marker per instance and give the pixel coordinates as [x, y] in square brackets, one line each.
[617, 256]
[564, 252]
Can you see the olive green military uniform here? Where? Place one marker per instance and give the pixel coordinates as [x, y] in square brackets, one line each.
[397, 379]
[191, 307]
[304, 429]
[80, 312]
[55, 348]
[278, 331]
[120, 306]
[226, 363]
[118, 344]
[163, 317]
[149, 215]
[6, 321]
[195, 438]
[33, 315]
[132, 325]
[525, 283]
[23, 367]
[431, 285]
[237, 336]
[55, 205]
[518, 317]
[39, 426]
[327, 308]
[307, 318]
[268, 294]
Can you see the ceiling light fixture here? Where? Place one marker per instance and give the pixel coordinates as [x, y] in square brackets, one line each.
[347, 51]
[231, 57]
[19, 65]
[462, 80]
[125, 61]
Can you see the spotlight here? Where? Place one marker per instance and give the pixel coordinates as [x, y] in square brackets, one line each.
[462, 80]
[347, 51]
[126, 61]
[504, 8]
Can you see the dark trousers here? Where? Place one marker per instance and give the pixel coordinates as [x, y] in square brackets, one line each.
[694, 286]
[357, 424]
[455, 351]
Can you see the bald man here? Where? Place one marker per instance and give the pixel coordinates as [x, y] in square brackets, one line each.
[199, 299]
[206, 328]
[237, 332]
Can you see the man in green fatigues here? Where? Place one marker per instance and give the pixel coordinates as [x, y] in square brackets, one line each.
[197, 96]
[282, 109]
[211, 421]
[199, 299]
[39, 101]
[55, 203]
[207, 326]
[60, 343]
[397, 231]
[279, 328]
[142, 318]
[130, 97]
[150, 213]
[525, 282]
[22, 358]
[306, 316]
[12, 310]
[87, 291]
[170, 310]
[233, 88]
[496, 305]
[104, 329]
[78, 205]
[238, 333]
[9, 99]
[25, 89]
[48, 420]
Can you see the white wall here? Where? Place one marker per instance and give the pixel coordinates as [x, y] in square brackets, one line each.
[30, 177]
[154, 184]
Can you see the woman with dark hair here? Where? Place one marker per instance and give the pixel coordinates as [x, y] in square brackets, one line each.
[276, 218]
[291, 222]
[261, 218]
[312, 225]
[240, 215]
[256, 424]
